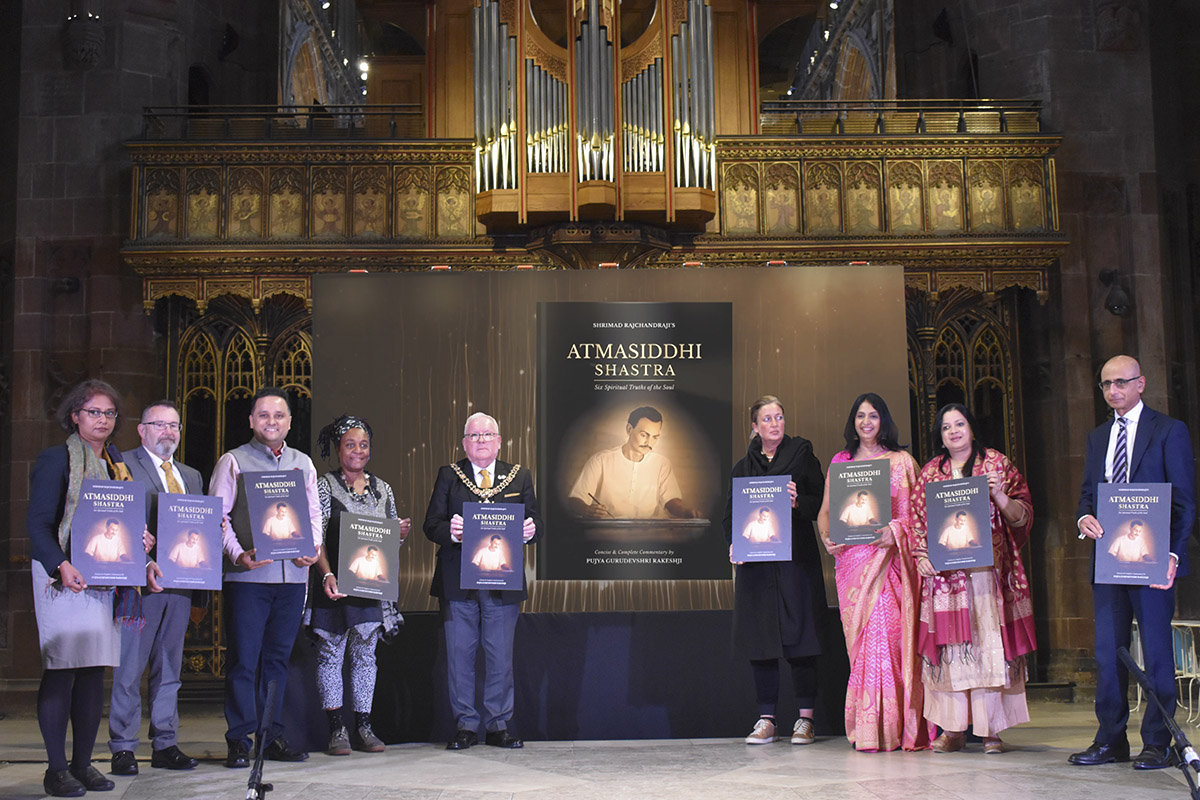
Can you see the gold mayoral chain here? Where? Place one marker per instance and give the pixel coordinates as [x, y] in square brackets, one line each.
[487, 494]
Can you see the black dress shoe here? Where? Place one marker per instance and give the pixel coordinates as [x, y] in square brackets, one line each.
[1153, 757]
[171, 758]
[92, 780]
[124, 762]
[280, 750]
[462, 740]
[503, 739]
[1101, 754]
[238, 755]
[61, 783]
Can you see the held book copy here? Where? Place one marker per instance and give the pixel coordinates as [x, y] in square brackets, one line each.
[493, 555]
[278, 505]
[762, 519]
[860, 500]
[106, 533]
[189, 547]
[1135, 548]
[368, 555]
[958, 523]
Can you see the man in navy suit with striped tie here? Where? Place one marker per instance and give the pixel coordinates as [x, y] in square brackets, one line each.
[1138, 445]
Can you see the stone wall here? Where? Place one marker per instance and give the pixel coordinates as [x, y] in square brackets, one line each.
[1111, 80]
[70, 310]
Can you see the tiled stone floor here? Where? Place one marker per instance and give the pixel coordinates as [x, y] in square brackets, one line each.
[614, 770]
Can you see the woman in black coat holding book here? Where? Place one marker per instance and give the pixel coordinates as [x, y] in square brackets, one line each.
[777, 604]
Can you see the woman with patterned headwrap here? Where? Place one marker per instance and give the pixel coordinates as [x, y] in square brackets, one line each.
[341, 622]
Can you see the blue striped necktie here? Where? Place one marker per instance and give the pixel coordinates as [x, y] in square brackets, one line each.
[1120, 454]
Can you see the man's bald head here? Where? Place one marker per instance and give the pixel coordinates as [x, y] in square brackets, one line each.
[1122, 383]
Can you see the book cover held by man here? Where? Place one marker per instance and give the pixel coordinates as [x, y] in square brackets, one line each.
[1135, 548]
[492, 543]
[278, 507]
[106, 533]
[189, 541]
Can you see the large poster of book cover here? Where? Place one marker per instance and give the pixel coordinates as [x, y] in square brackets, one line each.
[106, 533]
[633, 447]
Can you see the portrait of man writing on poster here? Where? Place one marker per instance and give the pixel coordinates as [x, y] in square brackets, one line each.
[959, 532]
[630, 481]
[108, 546]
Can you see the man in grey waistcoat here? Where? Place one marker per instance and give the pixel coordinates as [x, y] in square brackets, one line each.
[264, 599]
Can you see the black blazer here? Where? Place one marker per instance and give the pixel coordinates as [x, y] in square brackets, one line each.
[1162, 453]
[447, 499]
[47, 502]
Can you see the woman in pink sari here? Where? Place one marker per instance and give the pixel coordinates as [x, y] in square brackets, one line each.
[976, 625]
[878, 593]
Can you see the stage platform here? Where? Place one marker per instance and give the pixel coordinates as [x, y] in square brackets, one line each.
[638, 770]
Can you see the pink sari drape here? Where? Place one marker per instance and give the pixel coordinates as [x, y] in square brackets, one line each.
[879, 597]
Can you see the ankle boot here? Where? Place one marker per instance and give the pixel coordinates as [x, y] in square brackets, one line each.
[368, 741]
[339, 739]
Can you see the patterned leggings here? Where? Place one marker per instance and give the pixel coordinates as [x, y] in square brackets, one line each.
[362, 666]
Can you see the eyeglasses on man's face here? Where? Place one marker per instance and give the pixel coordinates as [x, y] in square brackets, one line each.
[1117, 383]
[481, 437]
[97, 413]
[159, 425]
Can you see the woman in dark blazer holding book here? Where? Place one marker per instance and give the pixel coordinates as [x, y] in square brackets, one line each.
[777, 604]
[344, 624]
[77, 627]
[976, 625]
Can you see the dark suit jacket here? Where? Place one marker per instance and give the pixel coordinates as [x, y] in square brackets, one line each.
[447, 499]
[142, 468]
[1162, 453]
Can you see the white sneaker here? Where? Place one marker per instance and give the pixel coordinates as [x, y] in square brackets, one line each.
[763, 733]
[804, 732]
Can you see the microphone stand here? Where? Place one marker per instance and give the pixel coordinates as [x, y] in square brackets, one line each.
[255, 788]
[1185, 754]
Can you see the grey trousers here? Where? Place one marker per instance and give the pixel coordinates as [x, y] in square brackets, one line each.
[159, 645]
[467, 625]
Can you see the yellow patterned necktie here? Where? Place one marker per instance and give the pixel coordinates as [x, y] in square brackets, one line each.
[485, 480]
[172, 484]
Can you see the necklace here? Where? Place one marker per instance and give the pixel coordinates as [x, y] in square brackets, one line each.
[359, 496]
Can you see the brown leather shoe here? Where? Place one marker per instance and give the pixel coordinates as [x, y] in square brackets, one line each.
[949, 742]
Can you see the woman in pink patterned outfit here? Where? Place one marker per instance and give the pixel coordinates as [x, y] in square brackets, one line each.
[878, 594]
[976, 626]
